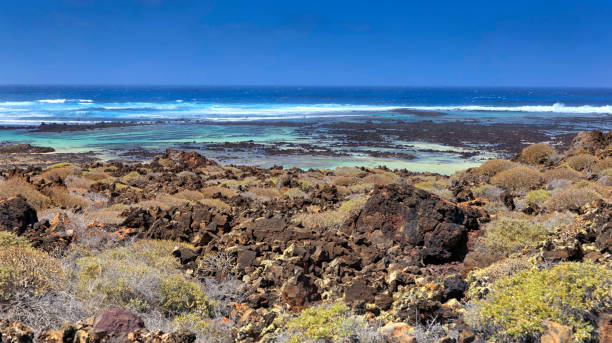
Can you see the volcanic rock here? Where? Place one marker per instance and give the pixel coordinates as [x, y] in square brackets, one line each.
[414, 218]
[16, 215]
[116, 323]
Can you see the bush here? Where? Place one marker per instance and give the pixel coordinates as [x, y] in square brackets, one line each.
[505, 236]
[561, 173]
[581, 162]
[568, 293]
[518, 179]
[9, 239]
[25, 271]
[537, 196]
[144, 276]
[492, 167]
[571, 199]
[537, 153]
[331, 323]
[489, 192]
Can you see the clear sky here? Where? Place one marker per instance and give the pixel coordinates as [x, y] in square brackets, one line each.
[259, 42]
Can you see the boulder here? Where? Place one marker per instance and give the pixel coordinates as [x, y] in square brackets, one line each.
[299, 291]
[413, 218]
[398, 333]
[556, 333]
[591, 142]
[16, 215]
[187, 160]
[116, 323]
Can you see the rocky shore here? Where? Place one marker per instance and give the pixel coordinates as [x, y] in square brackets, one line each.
[182, 249]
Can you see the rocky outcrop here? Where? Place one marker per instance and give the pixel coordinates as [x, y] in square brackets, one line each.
[112, 325]
[197, 224]
[187, 160]
[591, 142]
[418, 221]
[16, 215]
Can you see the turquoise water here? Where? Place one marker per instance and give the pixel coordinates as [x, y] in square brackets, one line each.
[201, 118]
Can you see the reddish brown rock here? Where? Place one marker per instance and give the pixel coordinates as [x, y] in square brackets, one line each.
[188, 160]
[116, 323]
[298, 292]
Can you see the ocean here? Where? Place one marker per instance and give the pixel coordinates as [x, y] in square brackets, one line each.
[304, 127]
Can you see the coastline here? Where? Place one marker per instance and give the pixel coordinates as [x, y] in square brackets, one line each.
[442, 145]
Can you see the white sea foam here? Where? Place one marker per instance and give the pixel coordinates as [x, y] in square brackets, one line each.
[53, 101]
[555, 108]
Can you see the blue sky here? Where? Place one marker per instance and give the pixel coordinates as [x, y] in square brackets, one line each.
[378, 43]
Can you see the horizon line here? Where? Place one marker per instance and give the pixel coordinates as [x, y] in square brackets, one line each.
[172, 85]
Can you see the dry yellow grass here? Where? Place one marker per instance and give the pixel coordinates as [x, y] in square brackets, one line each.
[383, 178]
[107, 215]
[63, 198]
[61, 172]
[331, 219]
[602, 165]
[211, 191]
[16, 185]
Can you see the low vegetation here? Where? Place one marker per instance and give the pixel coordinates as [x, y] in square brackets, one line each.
[537, 153]
[518, 180]
[330, 323]
[144, 276]
[568, 293]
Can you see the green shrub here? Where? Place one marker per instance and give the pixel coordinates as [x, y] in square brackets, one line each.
[59, 165]
[144, 275]
[27, 271]
[331, 323]
[567, 293]
[179, 295]
[9, 239]
[537, 196]
[518, 179]
[507, 235]
[581, 162]
[537, 153]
